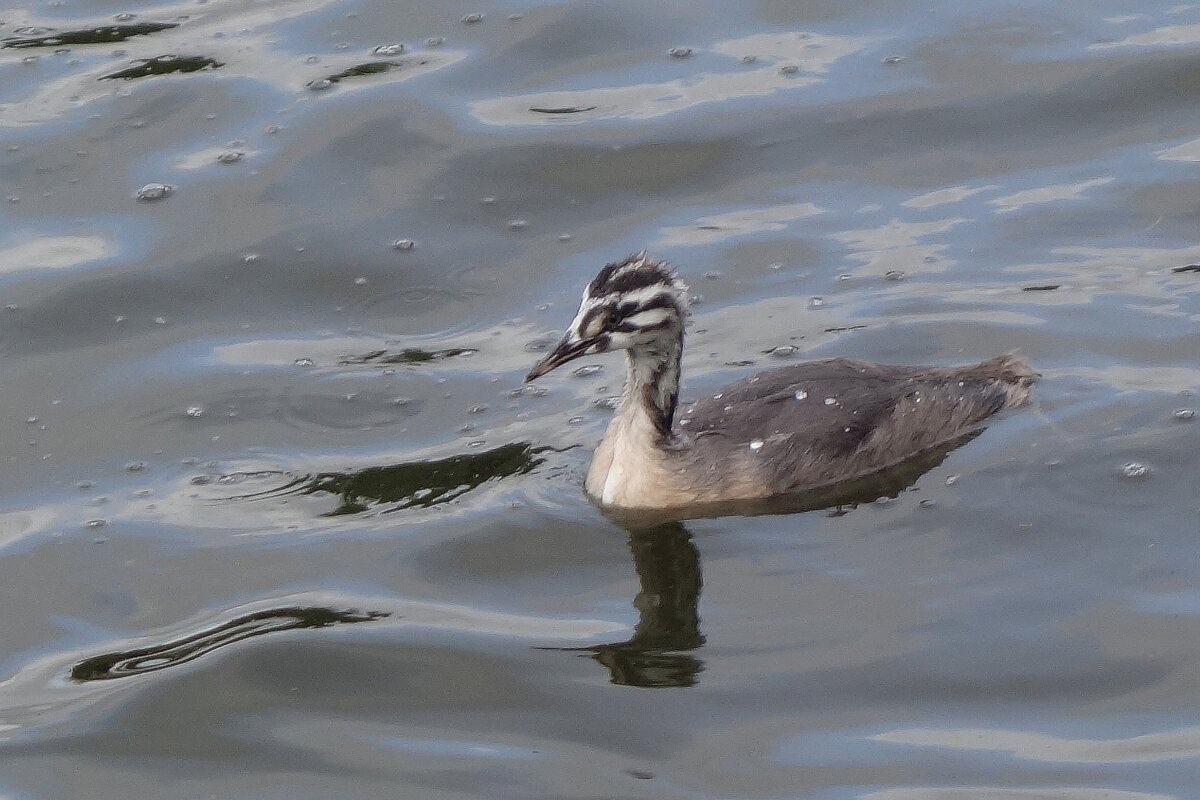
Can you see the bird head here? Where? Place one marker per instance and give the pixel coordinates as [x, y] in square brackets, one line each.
[638, 302]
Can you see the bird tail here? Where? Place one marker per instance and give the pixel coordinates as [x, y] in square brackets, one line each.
[1016, 375]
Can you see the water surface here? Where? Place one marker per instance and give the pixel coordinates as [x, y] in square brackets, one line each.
[278, 520]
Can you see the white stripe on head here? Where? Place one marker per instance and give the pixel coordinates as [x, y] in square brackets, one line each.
[648, 319]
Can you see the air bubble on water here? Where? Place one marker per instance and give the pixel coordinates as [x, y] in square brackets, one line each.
[517, 224]
[93, 524]
[564, 237]
[31, 420]
[679, 52]
[403, 244]
[713, 275]
[607, 403]
[200, 480]
[829, 401]
[195, 411]
[160, 320]
[435, 41]
[784, 351]
[360, 281]
[304, 362]
[587, 370]
[393, 49]
[85, 484]
[124, 16]
[845, 276]
[29, 60]
[471, 19]
[230, 157]
[152, 192]
[1135, 470]
[1184, 414]
[401, 401]
[135, 466]
[894, 275]
[890, 60]
[816, 302]
[927, 503]
[756, 444]
[575, 420]
[801, 394]
[538, 345]
[789, 69]
[951, 480]
[312, 60]
[319, 85]
[249, 258]
[749, 59]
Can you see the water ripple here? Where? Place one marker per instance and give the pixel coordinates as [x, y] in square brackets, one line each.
[138, 661]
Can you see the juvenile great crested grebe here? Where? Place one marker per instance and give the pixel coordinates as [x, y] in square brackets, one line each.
[782, 432]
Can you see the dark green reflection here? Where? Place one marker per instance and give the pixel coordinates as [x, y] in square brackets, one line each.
[357, 71]
[668, 569]
[180, 651]
[416, 484]
[562, 109]
[105, 34]
[163, 65]
[409, 355]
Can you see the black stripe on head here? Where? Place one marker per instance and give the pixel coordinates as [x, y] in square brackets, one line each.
[596, 287]
[664, 300]
[635, 272]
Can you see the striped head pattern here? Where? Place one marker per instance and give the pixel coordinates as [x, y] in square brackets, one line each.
[638, 302]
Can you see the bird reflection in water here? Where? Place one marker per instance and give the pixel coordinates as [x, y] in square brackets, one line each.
[659, 654]
[668, 569]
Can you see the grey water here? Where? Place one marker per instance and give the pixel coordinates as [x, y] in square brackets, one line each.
[279, 520]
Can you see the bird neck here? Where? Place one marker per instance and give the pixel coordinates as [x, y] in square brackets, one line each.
[652, 383]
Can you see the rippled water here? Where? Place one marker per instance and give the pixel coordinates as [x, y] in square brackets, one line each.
[277, 519]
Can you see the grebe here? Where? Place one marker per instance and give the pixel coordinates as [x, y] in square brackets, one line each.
[785, 431]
